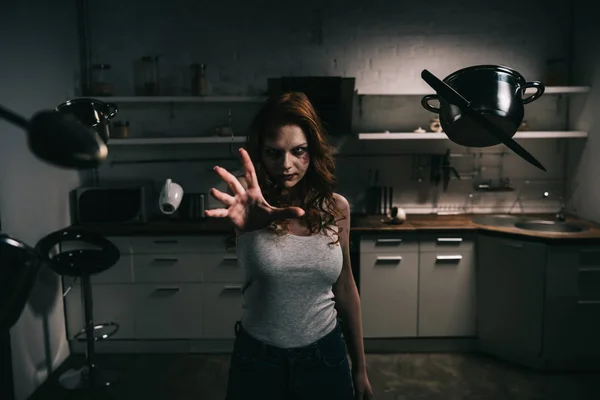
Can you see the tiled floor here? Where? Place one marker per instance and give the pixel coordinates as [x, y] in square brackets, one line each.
[393, 377]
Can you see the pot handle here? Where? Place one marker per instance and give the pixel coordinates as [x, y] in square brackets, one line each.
[425, 103]
[112, 110]
[539, 91]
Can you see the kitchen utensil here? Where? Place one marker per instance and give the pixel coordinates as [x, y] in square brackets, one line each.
[494, 113]
[435, 173]
[390, 197]
[170, 197]
[447, 169]
[93, 113]
[384, 200]
[60, 139]
[378, 191]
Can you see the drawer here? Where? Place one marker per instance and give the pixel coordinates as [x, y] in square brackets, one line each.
[111, 303]
[178, 244]
[121, 272]
[446, 241]
[153, 268]
[221, 267]
[171, 311]
[222, 308]
[389, 294]
[388, 244]
[122, 243]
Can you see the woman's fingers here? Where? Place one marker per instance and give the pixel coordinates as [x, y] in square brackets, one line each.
[224, 198]
[233, 183]
[250, 172]
[216, 213]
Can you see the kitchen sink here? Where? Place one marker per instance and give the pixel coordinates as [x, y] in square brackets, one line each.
[551, 226]
[497, 220]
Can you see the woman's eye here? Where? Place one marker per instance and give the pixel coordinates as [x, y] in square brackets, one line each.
[300, 150]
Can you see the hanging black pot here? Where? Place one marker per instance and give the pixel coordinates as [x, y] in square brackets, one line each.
[93, 113]
[482, 106]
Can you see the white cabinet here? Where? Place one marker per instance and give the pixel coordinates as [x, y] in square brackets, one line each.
[168, 311]
[389, 269]
[165, 287]
[222, 307]
[111, 303]
[447, 303]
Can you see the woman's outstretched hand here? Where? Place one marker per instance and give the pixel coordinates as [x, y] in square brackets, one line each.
[247, 209]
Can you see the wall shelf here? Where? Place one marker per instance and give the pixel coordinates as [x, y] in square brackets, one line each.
[177, 140]
[440, 136]
[549, 90]
[182, 99]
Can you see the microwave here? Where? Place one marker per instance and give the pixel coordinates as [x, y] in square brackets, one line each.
[120, 203]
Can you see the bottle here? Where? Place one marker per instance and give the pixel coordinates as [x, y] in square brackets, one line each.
[199, 82]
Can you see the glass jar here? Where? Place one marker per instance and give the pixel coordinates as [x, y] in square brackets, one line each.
[120, 129]
[199, 82]
[150, 75]
[100, 80]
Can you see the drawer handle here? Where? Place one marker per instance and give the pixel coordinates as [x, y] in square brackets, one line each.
[449, 240]
[589, 269]
[449, 258]
[166, 260]
[513, 245]
[232, 287]
[389, 258]
[230, 258]
[588, 301]
[167, 290]
[389, 240]
[165, 241]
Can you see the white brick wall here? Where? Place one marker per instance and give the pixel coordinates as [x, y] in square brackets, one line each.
[385, 45]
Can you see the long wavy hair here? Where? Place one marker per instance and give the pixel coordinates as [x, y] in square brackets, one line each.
[314, 192]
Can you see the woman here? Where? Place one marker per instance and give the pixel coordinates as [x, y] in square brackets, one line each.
[292, 241]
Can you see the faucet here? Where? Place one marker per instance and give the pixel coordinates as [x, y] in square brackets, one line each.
[560, 215]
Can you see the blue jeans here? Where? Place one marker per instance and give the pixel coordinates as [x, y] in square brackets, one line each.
[318, 371]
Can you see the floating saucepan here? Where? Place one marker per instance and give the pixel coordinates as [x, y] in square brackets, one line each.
[91, 112]
[482, 106]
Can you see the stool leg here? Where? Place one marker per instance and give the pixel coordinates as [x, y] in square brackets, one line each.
[88, 313]
[90, 376]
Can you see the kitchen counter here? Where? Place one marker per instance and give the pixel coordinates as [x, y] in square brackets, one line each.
[360, 224]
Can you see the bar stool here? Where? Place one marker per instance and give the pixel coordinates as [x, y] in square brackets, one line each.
[82, 264]
[19, 266]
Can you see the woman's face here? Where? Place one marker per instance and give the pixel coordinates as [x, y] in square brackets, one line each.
[285, 155]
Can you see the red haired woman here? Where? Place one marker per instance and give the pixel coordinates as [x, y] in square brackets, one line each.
[292, 241]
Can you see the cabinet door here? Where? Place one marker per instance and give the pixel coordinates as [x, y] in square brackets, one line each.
[168, 311]
[111, 303]
[447, 293]
[572, 317]
[222, 308]
[510, 296]
[389, 284]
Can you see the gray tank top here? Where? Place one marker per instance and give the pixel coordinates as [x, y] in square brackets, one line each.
[287, 293]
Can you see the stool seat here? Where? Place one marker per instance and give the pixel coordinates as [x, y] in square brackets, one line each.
[81, 261]
[19, 265]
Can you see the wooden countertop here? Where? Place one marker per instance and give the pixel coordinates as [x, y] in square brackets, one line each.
[360, 224]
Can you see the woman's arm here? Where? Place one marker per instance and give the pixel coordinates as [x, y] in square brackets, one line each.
[347, 301]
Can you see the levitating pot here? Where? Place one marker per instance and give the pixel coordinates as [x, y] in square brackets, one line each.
[93, 113]
[496, 92]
